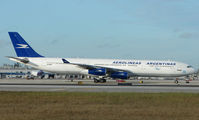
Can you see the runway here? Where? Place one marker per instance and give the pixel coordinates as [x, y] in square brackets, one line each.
[85, 88]
[88, 86]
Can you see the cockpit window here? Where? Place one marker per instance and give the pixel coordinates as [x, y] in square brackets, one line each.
[189, 66]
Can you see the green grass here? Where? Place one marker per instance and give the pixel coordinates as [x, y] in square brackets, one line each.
[98, 106]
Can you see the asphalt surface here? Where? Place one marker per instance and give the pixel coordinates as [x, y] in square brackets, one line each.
[80, 88]
[149, 86]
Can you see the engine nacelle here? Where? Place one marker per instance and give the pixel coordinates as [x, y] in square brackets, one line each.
[121, 75]
[37, 73]
[97, 71]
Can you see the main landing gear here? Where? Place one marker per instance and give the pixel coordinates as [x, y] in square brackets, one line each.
[176, 81]
[99, 80]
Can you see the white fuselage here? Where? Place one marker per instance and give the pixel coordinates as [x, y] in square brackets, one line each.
[148, 68]
[113, 68]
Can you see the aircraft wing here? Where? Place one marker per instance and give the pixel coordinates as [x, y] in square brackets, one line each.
[108, 69]
[89, 67]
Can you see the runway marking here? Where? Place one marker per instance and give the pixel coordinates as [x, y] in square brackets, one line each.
[99, 88]
[133, 85]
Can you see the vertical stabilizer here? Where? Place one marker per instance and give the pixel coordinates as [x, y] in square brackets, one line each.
[22, 48]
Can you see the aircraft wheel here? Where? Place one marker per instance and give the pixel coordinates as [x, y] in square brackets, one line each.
[102, 80]
[96, 80]
[187, 81]
[176, 81]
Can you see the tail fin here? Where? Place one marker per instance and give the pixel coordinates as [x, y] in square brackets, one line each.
[22, 48]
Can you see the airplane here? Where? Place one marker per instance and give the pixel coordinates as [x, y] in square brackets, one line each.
[101, 69]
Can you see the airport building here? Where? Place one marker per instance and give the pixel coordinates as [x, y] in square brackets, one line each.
[14, 71]
[18, 71]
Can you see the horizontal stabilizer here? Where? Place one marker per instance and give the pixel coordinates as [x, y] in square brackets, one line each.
[21, 60]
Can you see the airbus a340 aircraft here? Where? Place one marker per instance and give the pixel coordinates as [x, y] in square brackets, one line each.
[100, 68]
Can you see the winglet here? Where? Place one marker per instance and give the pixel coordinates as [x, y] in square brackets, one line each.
[65, 61]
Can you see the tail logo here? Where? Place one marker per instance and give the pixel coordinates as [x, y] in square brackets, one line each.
[22, 46]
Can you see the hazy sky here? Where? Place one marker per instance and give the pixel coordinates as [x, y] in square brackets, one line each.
[124, 29]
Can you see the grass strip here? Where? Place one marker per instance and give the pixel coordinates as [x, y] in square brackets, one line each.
[98, 106]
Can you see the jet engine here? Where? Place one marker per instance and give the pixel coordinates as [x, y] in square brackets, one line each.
[121, 75]
[97, 71]
[37, 73]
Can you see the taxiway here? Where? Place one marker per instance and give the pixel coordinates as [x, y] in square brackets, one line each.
[149, 86]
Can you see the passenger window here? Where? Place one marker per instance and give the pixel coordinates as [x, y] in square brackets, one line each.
[189, 66]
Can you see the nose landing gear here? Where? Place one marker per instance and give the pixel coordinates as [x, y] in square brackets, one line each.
[187, 80]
